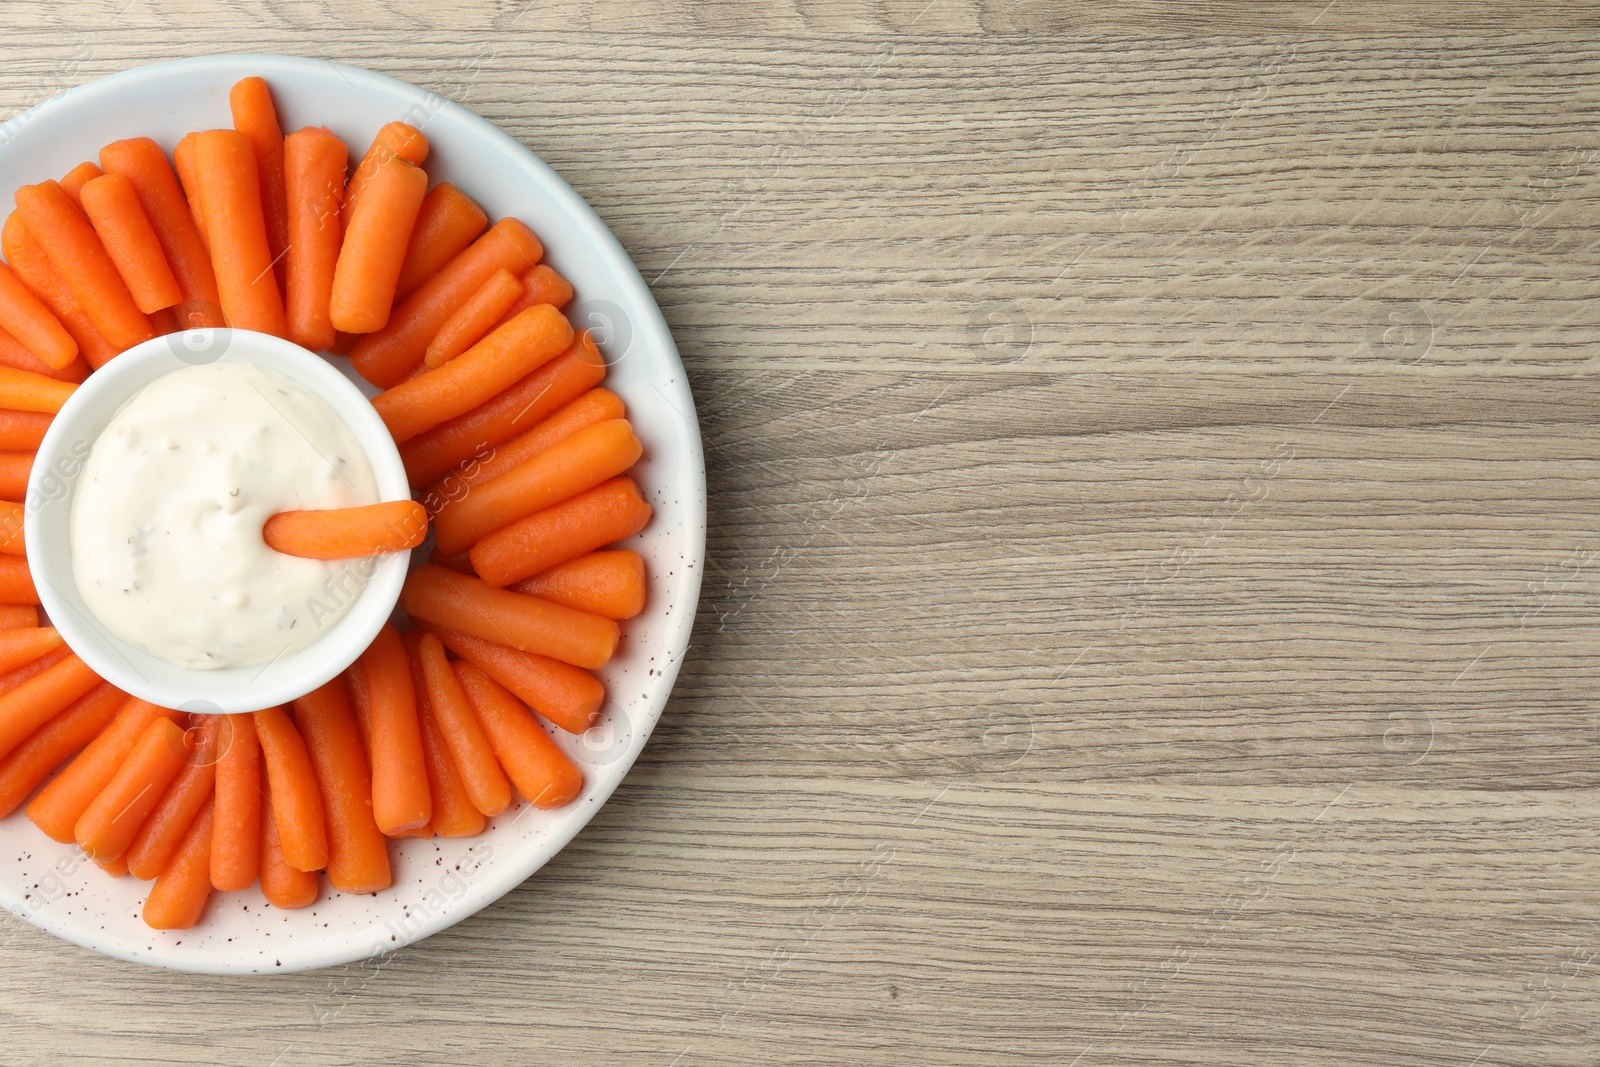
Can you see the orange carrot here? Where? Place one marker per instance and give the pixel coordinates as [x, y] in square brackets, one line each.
[22, 431]
[60, 804]
[107, 827]
[25, 317]
[74, 180]
[16, 583]
[355, 682]
[526, 623]
[12, 541]
[24, 646]
[447, 223]
[255, 116]
[454, 814]
[486, 783]
[283, 886]
[236, 840]
[542, 285]
[527, 403]
[112, 204]
[13, 353]
[22, 391]
[18, 616]
[14, 470]
[384, 357]
[230, 196]
[348, 533]
[13, 680]
[473, 320]
[141, 161]
[542, 773]
[609, 512]
[400, 799]
[78, 256]
[293, 792]
[188, 177]
[27, 257]
[560, 472]
[78, 724]
[374, 245]
[179, 895]
[40, 699]
[159, 837]
[115, 867]
[479, 374]
[456, 561]
[597, 405]
[609, 584]
[314, 161]
[396, 140]
[569, 697]
[358, 858]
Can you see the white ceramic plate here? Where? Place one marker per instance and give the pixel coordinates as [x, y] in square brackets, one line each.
[437, 883]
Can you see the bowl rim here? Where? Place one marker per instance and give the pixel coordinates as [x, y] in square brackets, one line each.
[226, 690]
[505, 874]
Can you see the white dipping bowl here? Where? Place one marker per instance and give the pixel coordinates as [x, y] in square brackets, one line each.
[47, 526]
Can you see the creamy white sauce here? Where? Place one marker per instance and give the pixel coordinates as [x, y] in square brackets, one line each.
[166, 520]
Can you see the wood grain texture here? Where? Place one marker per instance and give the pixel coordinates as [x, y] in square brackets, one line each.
[1153, 553]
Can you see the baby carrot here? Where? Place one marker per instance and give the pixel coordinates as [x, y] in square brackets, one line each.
[60, 804]
[480, 771]
[236, 839]
[13, 353]
[562, 471]
[255, 116]
[24, 646]
[159, 837]
[396, 140]
[479, 374]
[22, 391]
[18, 616]
[374, 243]
[542, 773]
[74, 180]
[115, 867]
[447, 223]
[188, 178]
[597, 405]
[78, 724]
[107, 827]
[358, 858]
[348, 533]
[314, 161]
[14, 470]
[473, 320]
[293, 793]
[179, 895]
[141, 161]
[16, 583]
[527, 403]
[22, 431]
[400, 799]
[609, 512]
[542, 285]
[39, 699]
[230, 196]
[284, 886]
[454, 814]
[112, 205]
[526, 623]
[355, 682]
[384, 357]
[78, 256]
[28, 259]
[569, 697]
[25, 317]
[609, 584]
[11, 680]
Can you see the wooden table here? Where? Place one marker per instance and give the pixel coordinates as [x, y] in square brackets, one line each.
[1153, 552]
